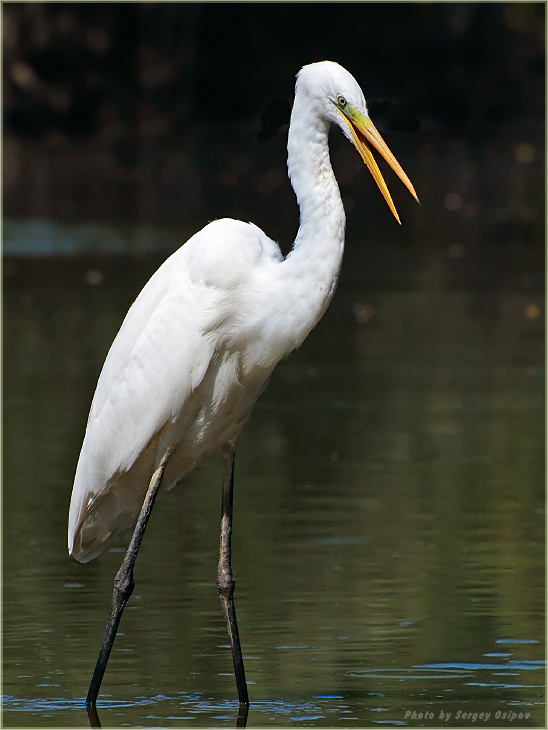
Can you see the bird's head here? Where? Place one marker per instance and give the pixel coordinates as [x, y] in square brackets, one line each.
[341, 101]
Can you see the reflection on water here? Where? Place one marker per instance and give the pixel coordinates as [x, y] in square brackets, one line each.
[389, 515]
[416, 688]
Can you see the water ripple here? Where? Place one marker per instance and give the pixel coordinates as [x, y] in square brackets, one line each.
[452, 670]
[417, 672]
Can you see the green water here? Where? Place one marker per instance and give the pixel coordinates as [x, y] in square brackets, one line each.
[388, 542]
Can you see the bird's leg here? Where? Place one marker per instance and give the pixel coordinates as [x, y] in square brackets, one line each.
[123, 583]
[225, 579]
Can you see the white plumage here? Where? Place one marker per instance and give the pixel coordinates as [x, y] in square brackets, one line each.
[202, 338]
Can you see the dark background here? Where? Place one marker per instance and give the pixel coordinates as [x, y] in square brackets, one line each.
[151, 111]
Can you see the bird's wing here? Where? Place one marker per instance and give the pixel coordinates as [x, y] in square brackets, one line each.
[161, 354]
[155, 363]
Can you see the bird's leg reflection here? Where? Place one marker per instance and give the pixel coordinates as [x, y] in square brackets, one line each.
[93, 716]
[242, 715]
[225, 579]
[123, 583]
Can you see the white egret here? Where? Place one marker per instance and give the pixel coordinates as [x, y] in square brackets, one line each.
[201, 340]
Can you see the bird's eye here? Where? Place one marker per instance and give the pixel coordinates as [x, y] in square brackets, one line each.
[341, 101]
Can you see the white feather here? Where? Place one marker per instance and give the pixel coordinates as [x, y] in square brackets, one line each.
[200, 342]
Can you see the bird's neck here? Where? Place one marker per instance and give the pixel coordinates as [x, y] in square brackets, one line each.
[318, 249]
[298, 289]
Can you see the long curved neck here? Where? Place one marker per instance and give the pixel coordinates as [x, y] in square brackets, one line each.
[297, 290]
[322, 219]
[314, 263]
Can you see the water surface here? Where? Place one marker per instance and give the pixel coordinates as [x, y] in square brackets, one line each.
[388, 541]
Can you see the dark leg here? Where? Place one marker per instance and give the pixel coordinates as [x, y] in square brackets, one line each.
[225, 580]
[123, 583]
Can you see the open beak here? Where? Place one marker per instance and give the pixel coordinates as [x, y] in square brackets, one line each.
[364, 133]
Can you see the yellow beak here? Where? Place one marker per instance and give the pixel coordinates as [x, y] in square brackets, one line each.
[364, 133]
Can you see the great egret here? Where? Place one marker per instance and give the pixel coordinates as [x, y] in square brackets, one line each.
[201, 340]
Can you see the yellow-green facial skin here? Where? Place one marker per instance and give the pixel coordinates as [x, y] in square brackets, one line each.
[354, 116]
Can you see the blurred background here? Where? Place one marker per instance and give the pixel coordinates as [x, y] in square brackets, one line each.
[389, 535]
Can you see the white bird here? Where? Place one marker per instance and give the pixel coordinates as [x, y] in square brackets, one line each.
[202, 338]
